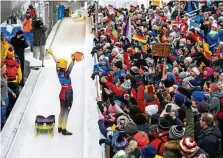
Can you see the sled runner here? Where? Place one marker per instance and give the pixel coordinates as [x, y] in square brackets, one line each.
[45, 123]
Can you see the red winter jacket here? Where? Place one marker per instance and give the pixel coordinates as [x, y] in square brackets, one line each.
[140, 100]
[126, 59]
[114, 89]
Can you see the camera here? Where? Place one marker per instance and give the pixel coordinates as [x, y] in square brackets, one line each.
[22, 37]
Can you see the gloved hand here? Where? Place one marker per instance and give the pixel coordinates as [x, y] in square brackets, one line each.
[78, 56]
[101, 141]
[49, 51]
[111, 99]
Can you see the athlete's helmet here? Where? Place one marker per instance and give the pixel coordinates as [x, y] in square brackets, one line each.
[62, 63]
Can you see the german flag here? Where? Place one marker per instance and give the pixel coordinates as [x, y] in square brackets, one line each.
[139, 38]
[207, 53]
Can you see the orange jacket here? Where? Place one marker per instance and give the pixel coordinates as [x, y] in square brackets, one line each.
[27, 25]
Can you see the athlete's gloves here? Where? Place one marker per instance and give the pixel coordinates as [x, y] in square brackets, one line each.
[78, 56]
[49, 51]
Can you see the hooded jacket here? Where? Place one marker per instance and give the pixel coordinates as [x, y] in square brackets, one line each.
[172, 149]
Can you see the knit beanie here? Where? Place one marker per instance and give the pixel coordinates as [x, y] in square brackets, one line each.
[20, 32]
[179, 99]
[151, 109]
[120, 143]
[171, 76]
[163, 124]
[120, 154]
[189, 59]
[188, 146]
[127, 85]
[198, 96]
[214, 87]
[148, 152]
[170, 67]
[193, 83]
[218, 70]
[182, 75]
[115, 50]
[176, 132]
[196, 71]
[131, 128]
[135, 69]
[214, 104]
[202, 107]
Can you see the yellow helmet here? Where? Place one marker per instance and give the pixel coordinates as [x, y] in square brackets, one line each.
[62, 63]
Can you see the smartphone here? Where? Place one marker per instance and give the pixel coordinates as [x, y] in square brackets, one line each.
[168, 108]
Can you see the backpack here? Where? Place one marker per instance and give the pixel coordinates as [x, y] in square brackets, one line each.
[12, 68]
[158, 144]
[142, 139]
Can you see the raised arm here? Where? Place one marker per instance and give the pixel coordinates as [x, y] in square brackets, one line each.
[70, 67]
[49, 51]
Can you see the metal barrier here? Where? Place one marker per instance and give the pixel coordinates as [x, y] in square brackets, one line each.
[97, 85]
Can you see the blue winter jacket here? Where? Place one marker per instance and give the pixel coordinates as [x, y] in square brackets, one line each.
[212, 39]
[117, 75]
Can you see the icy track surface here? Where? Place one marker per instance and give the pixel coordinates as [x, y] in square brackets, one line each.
[71, 37]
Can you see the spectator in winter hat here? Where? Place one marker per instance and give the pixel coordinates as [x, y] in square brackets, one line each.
[120, 154]
[214, 105]
[193, 83]
[148, 152]
[198, 96]
[116, 56]
[220, 83]
[131, 128]
[187, 61]
[216, 94]
[195, 72]
[217, 72]
[207, 73]
[134, 70]
[178, 99]
[189, 148]
[181, 77]
[126, 85]
[117, 69]
[151, 110]
[209, 135]
[163, 124]
[172, 149]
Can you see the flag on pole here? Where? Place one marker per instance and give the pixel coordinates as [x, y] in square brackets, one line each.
[127, 31]
[139, 38]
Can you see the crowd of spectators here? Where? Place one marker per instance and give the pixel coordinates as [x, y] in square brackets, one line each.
[151, 108]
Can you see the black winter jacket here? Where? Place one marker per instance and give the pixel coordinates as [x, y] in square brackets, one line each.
[208, 140]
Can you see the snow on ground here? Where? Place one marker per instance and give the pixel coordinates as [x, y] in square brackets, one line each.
[83, 117]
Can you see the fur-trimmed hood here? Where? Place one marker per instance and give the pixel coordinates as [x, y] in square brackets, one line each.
[172, 145]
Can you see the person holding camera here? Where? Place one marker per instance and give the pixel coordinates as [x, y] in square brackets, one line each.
[27, 26]
[39, 39]
[19, 44]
